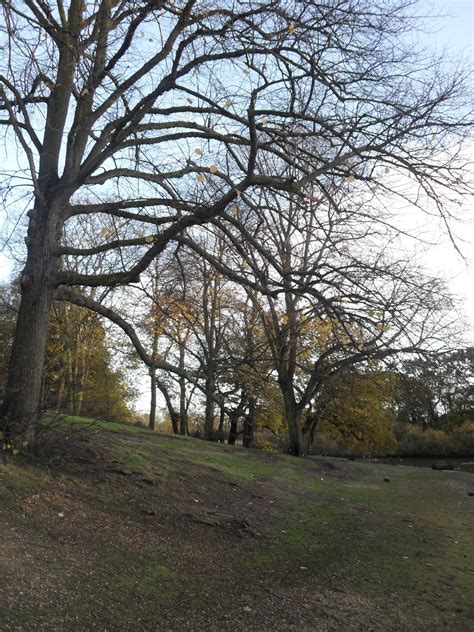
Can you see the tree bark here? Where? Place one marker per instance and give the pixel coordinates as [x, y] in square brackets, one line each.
[293, 419]
[233, 421]
[20, 411]
[220, 431]
[210, 408]
[174, 415]
[249, 425]
[183, 410]
[21, 407]
[152, 415]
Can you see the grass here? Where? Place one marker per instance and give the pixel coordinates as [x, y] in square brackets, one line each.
[141, 552]
[69, 422]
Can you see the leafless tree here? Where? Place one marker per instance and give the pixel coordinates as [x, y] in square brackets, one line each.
[157, 116]
[332, 290]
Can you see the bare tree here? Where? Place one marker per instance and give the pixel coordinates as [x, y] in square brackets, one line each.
[156, 117]
[331, 292]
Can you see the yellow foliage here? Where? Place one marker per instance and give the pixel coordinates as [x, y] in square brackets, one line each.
[356, 412]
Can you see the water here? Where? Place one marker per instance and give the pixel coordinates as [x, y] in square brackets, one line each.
[422, 461]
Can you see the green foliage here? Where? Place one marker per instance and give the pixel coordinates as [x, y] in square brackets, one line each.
[437, 390]
[80, 378]
[355, 412]
[7, 328]
[415, 441]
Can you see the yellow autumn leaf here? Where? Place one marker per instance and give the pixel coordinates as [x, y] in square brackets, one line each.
[351, 178]
[284, 319]
[235, 211]
[201, 178]
[15, 451]
[213, 169]
[149, 239]
[292, 27]
[197, 151]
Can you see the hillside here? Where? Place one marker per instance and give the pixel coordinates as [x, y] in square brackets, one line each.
[121, 529]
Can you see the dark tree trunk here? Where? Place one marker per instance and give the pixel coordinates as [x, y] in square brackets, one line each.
[183, 411]
[152, 416]
[310, 431]
[174, 415]
[210, 408]
[21, 407]
[233, 422]
[175, 419]
[293, 418]
[249, 425]
[220, 432]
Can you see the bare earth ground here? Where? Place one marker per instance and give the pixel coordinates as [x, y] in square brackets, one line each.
[127, 530]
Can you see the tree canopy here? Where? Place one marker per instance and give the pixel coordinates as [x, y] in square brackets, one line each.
[140, 124]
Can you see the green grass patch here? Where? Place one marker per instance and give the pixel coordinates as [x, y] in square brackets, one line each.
[66, 423]
[18, 479]
[150, 580]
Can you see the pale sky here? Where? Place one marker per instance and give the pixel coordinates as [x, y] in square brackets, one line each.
[456, 33]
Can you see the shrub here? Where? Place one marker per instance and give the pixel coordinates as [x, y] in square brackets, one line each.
[462, 439]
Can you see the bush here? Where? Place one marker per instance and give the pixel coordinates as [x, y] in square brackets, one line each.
[462, 439]
[414, 441]
[330, 446]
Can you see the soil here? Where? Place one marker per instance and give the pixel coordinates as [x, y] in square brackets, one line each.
[119, 530]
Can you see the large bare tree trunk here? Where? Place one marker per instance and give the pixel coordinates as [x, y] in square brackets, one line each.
[233, 421]
[210, 408]
[249, 425]
[23, 389]
[174, 415]
[152, 415]
[220, 431]
[183, 410]
[21, 407]
[293, 419]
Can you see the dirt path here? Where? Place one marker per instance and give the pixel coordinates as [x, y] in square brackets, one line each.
[132, 531]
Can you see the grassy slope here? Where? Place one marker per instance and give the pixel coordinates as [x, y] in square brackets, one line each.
[132, 530]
